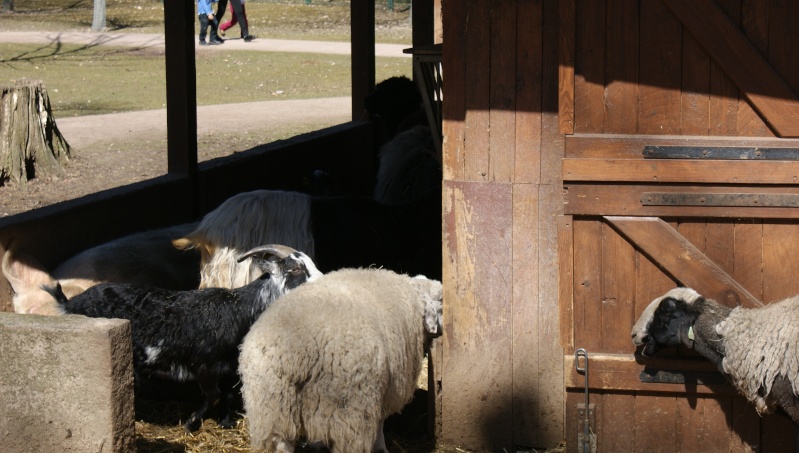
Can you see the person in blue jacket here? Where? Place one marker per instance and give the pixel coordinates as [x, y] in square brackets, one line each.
[206, 15]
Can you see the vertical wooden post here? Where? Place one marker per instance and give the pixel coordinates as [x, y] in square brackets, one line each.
[181, 91]
[423, 20]
[363, 53]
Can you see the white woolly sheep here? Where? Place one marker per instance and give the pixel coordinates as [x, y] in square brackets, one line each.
[336, 232]
[757, 349]
[333, 358]
[194, 335]
[146, 258]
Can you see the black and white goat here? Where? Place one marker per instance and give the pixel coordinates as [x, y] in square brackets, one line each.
[188, 335]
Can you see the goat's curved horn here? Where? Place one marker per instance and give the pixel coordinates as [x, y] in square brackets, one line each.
[280, 251]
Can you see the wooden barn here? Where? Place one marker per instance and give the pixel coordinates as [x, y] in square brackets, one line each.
[596, 153]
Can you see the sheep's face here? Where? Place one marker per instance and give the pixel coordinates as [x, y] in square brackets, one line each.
[431, 292]
[665, 320]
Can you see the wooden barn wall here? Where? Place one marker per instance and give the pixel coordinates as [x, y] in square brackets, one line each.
[548, 105]
[502, 380]
[666, 72]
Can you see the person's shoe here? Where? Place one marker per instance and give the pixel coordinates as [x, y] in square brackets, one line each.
[216, 41]
[248, 38]
[203, 43]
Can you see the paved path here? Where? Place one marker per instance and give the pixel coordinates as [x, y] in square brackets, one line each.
[86, 130]
[150, 40]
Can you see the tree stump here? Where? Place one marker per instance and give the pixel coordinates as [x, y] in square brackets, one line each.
[30, 143]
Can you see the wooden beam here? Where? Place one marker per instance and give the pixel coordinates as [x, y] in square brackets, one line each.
[682, 171]
[566, 33]
[362, 38]
[181, 92]
[764, 88]
[666, 247]
[622, 372]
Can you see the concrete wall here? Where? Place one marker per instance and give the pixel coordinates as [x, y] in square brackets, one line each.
[66, 384]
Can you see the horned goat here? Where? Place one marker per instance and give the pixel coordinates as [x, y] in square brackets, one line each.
[333, 358]
[757, 349]
[188, 335]
[145, 258]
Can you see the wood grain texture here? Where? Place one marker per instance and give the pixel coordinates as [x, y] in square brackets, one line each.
[621, 67]
[682, 171]
[683, 260]
[453, 110]
[589, 67]
[502, 103]
[529, 55]
[566, 30]
[478, 399]
[752, 74]
[631, 146]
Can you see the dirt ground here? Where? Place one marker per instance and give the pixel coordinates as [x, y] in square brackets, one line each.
[115, 150]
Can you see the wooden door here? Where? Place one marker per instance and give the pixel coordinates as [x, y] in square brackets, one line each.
[679, 169]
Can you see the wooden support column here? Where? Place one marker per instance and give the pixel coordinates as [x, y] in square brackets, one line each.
[363, 53]
[181, 91]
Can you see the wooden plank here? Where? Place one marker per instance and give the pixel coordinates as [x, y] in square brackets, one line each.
[696, 172]
[744, 426]
[659, 71]
[618, 270]
[529, 54]
[550, 393]
[587, 283]
[453, 63]
[477, 91]
[603, 199]
[720, 244]
[566, 31]
[622, 372]
[621, 67]
[616, 411]
[683, 260]
[780, 248]
[589, 67]
[749, 256]
[626, 146]
[527, 369]
[754, 25]
[566, 281]
[695, 98]
[478, 248]
[723, 92]
[784, 40]
[763, 87]
[690, 413]
[660, 436]
[502, 95]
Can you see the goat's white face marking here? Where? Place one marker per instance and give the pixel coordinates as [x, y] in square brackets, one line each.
[641, 327]
[152, 354]
[313, 272]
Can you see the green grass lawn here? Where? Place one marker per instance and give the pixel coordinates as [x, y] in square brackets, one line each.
[85, 80]
[96, 80]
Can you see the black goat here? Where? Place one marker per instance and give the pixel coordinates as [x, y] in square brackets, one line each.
[187, 335]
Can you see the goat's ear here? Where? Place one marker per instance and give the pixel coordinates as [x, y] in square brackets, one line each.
[24, 272]
[183, 243]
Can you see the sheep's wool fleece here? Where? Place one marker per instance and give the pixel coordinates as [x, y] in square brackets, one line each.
[334, 357]
[760, 345]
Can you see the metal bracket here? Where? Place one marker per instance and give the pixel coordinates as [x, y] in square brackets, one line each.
[719, 152]
[586, 439]
[750, 200]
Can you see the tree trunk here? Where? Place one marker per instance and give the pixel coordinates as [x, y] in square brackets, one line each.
[30, 142]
